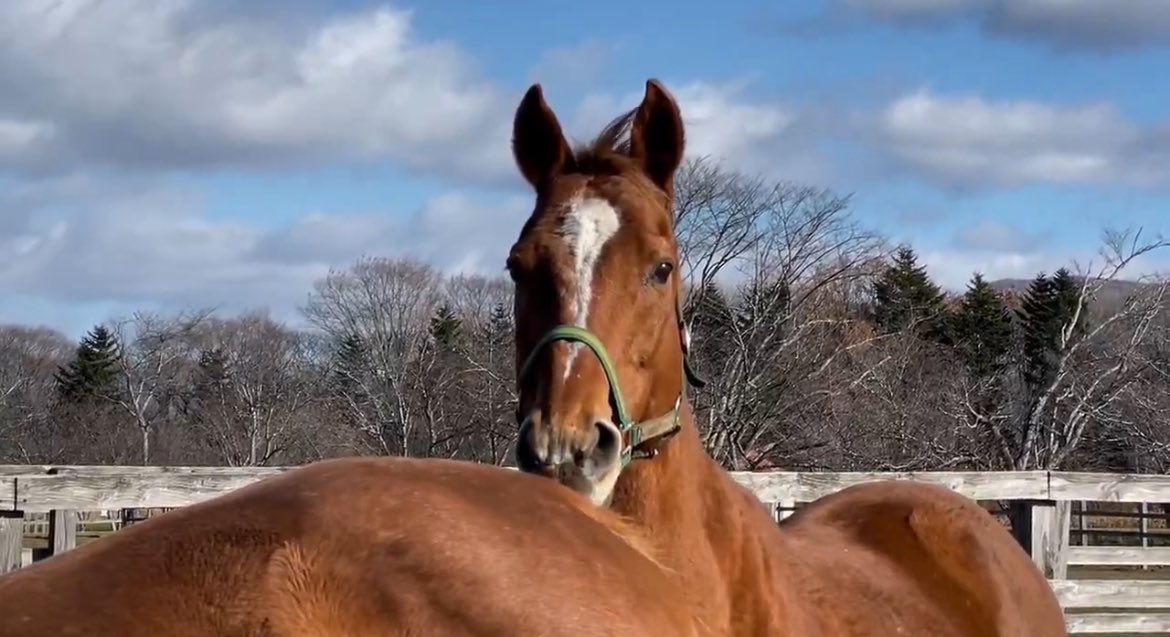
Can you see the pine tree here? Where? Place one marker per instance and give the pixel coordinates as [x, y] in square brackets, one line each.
[1049, 305]
[712, 322]
[213, 368]
[213, 363]
[93, 372]
[211, 379]
[1067, 293]
[499, 327]
[348, 362]
[1037, 316]
[709, 314]
[904, 296]
[446, 327]
[347, 374]
[764, 305]
[983, 329]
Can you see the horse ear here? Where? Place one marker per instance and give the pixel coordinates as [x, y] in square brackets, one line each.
[657, 139]
[538, 144]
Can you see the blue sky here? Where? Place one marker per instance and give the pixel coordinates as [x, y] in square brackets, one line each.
[156, 155]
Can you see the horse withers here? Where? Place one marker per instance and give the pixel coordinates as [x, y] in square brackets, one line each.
[603, 408]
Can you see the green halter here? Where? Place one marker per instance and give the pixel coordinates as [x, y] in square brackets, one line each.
[663, 426]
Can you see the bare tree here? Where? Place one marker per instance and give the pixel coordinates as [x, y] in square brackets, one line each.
[898, 414]
[1091, 372]
[718, 217]
[796, 251]
[486, 391]
[383, 307]
[29, 356]
[1138, 428]
[157, 350]
[253, 389]
[474, 296]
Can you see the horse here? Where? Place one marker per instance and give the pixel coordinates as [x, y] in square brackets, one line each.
[603, 374]
[361, 547]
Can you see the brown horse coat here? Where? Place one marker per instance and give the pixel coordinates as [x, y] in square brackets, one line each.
[603, 345]
[355, 548]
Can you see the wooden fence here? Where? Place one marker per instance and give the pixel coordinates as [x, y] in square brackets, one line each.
[1104, 589]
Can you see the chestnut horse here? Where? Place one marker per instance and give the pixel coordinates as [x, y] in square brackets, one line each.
[360, 547]
[602, 355]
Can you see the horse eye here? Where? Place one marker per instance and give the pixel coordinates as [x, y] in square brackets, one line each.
[661, 273]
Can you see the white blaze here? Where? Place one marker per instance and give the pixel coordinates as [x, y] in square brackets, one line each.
[588, 225]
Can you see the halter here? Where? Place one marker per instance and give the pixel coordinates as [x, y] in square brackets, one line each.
[635, 433]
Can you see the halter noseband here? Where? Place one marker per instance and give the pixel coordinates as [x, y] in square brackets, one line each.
[635, 433]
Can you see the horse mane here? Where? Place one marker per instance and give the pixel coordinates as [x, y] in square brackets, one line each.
[609, 152]
[608, 155]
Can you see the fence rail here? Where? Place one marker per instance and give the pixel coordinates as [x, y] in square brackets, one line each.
[1112, 599]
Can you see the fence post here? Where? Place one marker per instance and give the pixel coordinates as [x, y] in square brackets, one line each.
[11, 540]
[62, 531]
[1049, 537]
[1081, 524]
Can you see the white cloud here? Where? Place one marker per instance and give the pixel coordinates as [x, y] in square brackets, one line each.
[159, 83]
[757, 136]
[154, 246]
[19, 136]
[1096, 25]
[579, 64]
[102, 99]
[953, 269]
[989, 235]
[969, 141]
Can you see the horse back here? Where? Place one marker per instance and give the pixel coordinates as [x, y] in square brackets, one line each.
[941, 560]
[357, 547]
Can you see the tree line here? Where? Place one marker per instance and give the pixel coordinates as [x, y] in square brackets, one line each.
[825, 348]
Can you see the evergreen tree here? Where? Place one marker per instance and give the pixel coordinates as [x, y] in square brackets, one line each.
[213, 368]
[500, 328]
[764, 305]
[213, 363]
[211, 377]
[904, 296]
[1066, 293]
[348, 362]
[93, 372]
[711, 320]
[710, 314]
[1037, 317]
[446, 327]
[348, 371]
[1048, 306]
[983, 329]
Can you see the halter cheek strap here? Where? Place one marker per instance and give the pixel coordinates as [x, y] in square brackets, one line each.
[684, 331]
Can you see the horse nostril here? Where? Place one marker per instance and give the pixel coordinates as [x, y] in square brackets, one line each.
[608, 439]
[527, 457]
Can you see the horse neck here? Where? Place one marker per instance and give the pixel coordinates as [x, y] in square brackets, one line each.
[707, 527]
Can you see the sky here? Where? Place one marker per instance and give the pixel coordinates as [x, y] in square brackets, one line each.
[162, 154]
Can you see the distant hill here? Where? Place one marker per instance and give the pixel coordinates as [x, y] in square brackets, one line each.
[1111, 294]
